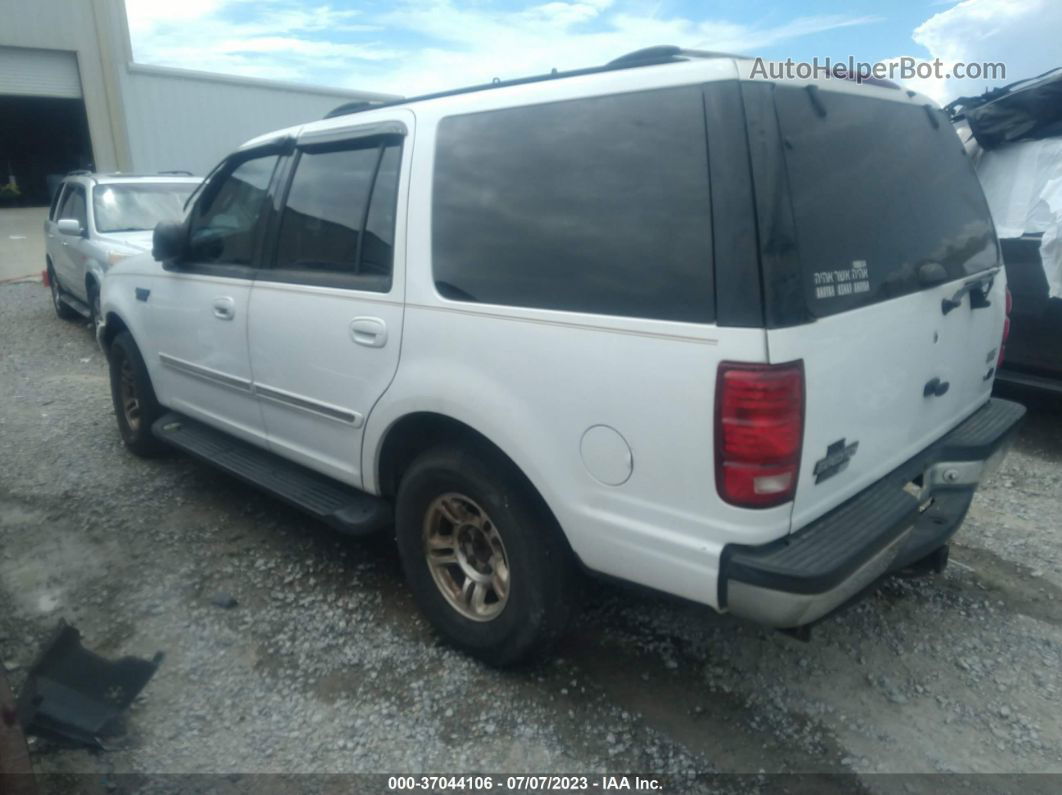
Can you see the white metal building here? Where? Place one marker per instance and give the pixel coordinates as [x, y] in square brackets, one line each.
[71, 96]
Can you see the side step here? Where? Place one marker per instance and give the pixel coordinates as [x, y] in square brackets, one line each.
[348, 510]
[76, 304]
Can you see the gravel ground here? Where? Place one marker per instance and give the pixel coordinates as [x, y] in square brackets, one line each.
[323, 665]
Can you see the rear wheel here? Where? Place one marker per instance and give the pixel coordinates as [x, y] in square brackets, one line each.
[62, 311]
[134, 399]
[485, 560]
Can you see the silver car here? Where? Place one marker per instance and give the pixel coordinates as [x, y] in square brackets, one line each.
[97, 220]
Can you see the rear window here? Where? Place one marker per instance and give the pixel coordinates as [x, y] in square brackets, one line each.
[877, 191]
[594, 205]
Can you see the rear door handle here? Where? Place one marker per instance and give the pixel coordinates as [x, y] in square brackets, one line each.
[368, 331]
[224, 308]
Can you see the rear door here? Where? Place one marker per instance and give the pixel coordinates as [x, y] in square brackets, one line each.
[326, 318]
[881, 272]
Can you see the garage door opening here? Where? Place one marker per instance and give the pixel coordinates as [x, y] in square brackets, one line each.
[41, 139]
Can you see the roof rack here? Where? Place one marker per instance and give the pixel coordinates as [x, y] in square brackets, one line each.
[649, 56]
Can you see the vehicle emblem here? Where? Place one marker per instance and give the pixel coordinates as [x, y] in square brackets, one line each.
[838, 454]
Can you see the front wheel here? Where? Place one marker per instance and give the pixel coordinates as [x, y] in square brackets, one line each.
[96, 313]
[134, 399]
[485, 560]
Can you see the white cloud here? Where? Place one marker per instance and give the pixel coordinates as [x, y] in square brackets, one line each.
[1024, 35]
[468, 43]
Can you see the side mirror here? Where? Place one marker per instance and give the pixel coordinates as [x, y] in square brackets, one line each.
[169, 241]
[70, 226]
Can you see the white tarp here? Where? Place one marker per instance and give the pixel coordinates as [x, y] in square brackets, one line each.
[1023, 184]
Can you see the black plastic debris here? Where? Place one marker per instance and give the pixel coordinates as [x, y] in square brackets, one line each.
[1023, 111]
[73, 694]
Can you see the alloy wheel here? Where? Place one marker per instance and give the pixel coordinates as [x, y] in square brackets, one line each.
[466, 556]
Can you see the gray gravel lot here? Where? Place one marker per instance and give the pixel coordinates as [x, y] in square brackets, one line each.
[324, 665]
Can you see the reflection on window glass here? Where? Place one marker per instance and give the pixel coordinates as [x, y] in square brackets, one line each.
[596, 205]
[137, 208]
[320, 229]
[323, 214]
[378, 247]
[869, 215]
[222, 228]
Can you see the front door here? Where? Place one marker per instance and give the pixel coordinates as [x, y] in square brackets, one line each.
[326, 318]
[199, 308]
[68, 257]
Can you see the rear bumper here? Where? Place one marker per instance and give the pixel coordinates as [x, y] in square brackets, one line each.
[798, 579]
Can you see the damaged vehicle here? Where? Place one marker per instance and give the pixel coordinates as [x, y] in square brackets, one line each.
[1014, 137]
[728, 338]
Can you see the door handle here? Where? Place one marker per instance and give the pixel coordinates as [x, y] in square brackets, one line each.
[368, 331]
[224, 308]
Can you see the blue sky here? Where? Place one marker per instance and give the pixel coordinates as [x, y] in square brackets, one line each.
[414, 46]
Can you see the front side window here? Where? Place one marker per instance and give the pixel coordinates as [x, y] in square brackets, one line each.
[595, 205]
[74, 205]
[55, 204]
[339, 216]
[137, 207]
[223, 223]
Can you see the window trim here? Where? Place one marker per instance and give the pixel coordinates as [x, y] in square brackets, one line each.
[71, 189]
[57, 201]
[345, 140]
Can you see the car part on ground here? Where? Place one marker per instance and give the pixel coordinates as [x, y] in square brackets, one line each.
[74, 694]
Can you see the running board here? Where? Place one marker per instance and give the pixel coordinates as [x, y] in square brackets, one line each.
[77, 305]
[347, 509]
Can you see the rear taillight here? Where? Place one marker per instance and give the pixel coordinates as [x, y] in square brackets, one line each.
[1006, 329]
[759, 430]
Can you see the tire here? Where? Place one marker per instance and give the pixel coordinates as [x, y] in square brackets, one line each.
[95, 314]
[62, 311]
[130, 383]
[495, 512]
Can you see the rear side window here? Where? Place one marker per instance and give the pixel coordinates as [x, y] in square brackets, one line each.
[339, 216]
[879, 189]
[594, 205]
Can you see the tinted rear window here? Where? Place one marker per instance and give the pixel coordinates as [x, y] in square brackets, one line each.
[596, 205]
[877, 192]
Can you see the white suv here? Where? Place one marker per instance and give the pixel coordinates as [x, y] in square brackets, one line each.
[97, 220]
[726, 338]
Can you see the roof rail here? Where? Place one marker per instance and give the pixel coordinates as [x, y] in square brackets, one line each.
[649, 56]
[666, 53]
[178, 173]
[80, 172]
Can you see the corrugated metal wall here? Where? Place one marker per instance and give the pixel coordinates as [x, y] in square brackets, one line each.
[180, 120]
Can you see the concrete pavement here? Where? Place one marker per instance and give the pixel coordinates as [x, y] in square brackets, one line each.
[21, 242]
